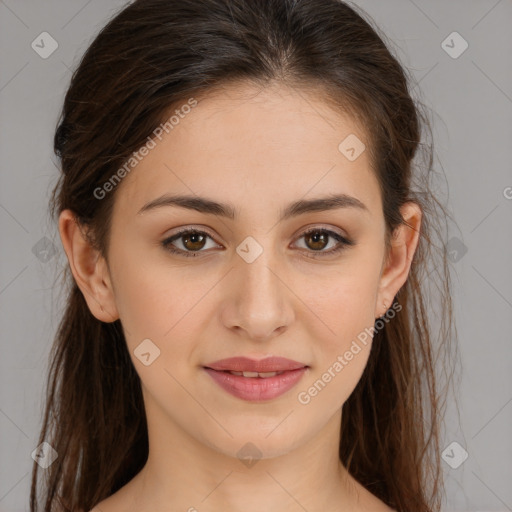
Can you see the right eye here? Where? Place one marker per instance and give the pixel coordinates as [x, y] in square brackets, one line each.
[192, 241]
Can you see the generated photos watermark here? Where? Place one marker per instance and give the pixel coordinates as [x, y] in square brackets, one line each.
[138, 156]
[304, 397]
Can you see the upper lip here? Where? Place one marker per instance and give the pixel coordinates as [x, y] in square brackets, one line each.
[245, 364]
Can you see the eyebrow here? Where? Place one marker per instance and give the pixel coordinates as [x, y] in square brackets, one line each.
[208, 206]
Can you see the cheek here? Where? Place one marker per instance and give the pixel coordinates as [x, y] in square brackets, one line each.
[154, 299]
[341, 325]
[341, 304]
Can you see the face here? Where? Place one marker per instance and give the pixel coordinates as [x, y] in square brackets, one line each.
[272, 272]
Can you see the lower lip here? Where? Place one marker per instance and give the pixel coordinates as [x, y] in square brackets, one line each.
[255, 389]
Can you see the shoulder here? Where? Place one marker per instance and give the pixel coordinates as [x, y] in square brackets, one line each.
[368, 502]
[121, 501]
[109, 504]
[99, 508]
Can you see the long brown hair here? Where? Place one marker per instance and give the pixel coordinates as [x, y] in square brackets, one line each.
[155, 54]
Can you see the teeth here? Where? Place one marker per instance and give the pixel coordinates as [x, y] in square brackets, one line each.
[263, 375]
[250, 374]
[268, 374]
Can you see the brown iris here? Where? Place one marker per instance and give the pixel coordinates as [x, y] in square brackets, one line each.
[319, 239]
[196, 240]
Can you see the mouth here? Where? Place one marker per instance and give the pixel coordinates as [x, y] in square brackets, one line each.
[260, 366]
[260, 375]
[253, 380]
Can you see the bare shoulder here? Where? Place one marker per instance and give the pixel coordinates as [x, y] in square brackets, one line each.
[114, 503]
[103, 506]
[121, 501]
[368, 502]
[375, 505]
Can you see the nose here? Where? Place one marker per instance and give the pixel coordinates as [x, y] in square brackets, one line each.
[259, 305]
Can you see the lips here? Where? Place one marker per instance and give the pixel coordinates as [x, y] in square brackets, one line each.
[254, 380]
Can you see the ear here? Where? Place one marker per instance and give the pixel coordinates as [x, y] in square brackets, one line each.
[398, 262]
[89, 268]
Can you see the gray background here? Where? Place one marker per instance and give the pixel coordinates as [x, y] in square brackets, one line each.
[471, 96]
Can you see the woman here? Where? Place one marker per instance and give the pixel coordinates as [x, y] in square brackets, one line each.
[246, 326]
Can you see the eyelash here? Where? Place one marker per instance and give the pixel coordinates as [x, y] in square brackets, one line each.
[343, 242]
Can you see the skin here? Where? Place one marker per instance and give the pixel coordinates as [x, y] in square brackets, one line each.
[259, 150]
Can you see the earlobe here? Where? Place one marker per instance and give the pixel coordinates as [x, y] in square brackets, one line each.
[403, 246]
[88, 268]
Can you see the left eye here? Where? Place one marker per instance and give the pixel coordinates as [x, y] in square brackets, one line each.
[193, 241]
[317, 241]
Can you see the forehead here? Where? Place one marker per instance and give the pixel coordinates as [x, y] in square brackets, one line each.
[266, 146]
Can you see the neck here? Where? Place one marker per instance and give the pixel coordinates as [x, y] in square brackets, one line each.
[182, 473]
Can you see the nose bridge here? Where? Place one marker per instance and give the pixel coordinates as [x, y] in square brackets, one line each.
[260, 282]
[261, 303]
